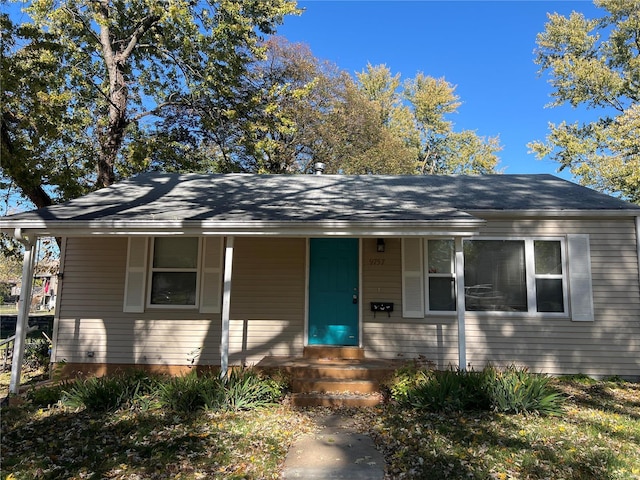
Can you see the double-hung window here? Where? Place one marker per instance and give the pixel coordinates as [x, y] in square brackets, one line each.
[441, 285]
[174, 272]
[520, 275]
[549, 275]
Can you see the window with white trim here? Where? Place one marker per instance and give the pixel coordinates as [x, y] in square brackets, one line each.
[174, 272]
[440, 280]
[550, 291]
[519, 275]
[495, 276]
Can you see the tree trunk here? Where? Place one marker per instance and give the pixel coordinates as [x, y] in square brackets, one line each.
[113, 136]
[116, 60]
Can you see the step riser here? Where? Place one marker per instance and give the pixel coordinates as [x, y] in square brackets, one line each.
[328, 386]
[324, 379]
[335, 401]
[346, 353]
[337, 373]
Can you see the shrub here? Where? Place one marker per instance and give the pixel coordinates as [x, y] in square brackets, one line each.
[515, 390]
[37, 354]
[247, 389]
[100, 394]
[189, 393]
[46, 396]
[512, 390]
[405, 380]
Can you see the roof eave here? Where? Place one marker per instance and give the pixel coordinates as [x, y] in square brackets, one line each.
[560, 213]
[450, 227]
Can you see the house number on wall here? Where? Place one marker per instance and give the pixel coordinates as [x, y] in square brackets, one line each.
[376, 262]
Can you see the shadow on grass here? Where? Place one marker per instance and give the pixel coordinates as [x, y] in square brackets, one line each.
[149, 445]
[481, 445]
[619, 398]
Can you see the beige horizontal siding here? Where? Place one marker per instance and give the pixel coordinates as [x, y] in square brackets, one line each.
[267, 298]
[434, 340]
[268, 309]
[90, 317]
[610, 345]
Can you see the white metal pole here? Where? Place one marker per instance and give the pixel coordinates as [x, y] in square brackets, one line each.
[226, 303]
[460, 305]
[22, 322]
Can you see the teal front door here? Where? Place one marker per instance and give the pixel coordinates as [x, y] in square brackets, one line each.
[333, 291]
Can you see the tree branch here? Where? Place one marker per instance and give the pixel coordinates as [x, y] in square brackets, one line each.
[154, 110]
[138, 33]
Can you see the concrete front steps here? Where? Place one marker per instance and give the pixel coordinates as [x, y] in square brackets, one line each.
[333, 376]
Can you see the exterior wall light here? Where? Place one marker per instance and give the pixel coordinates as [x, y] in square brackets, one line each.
[380, 245]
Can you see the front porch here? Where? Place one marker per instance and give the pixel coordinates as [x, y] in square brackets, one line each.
[333, 376]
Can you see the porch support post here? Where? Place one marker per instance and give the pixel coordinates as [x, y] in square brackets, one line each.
[24, 304]
[226, 302]
[460, 304]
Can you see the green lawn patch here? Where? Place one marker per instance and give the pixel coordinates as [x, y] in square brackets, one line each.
[596, 436]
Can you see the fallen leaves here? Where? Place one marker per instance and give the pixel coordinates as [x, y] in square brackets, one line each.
[597, 437]
[154, 445]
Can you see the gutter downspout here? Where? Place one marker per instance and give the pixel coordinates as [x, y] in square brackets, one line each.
[460, 304]
[226, 300]
[24, 304]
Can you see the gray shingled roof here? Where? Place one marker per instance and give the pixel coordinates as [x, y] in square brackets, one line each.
[246, 198]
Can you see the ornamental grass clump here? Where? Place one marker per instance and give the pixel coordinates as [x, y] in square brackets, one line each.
[515, 390]
[512, 390]
[242, 389]
[247, 389]
[132, 389]
[190, 393]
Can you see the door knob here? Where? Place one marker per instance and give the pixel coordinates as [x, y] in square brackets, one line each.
[355, 299]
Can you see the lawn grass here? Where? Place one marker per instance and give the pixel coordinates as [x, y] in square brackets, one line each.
[57, 443]
[9, 309]
[596, 437]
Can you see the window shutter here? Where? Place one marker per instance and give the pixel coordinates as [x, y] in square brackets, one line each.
[210, 294]
[580, 292]
[135, 280]
[412, 278]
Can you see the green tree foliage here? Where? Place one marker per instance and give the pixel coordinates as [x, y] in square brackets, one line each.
[41, 128]
[88, 85]
[98, 90]
[595, 63]
[314, 112]
[418, 111]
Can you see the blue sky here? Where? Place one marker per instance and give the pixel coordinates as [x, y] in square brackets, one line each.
[483, 47]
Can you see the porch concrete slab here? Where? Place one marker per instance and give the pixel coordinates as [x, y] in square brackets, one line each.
[337, 451]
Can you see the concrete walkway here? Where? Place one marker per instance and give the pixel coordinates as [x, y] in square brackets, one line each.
[336, 452]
